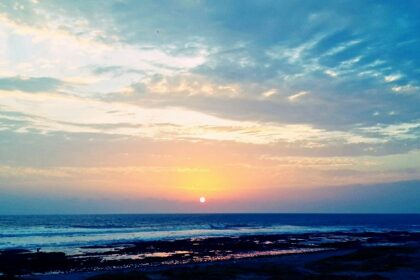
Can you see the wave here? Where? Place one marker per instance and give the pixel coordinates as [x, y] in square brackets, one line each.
[51, 232]
[65, 232]
[98, 227]
[231, 226]
[76, 230]
[60, 241]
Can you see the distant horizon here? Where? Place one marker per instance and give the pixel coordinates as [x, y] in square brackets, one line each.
[212, 213]
[392, 195]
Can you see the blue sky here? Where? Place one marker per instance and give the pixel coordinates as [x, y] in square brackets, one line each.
[228, 99]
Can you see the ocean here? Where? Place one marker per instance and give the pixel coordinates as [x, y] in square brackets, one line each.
[69, 233]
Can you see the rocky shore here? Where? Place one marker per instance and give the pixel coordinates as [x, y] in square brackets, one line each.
[384, 255]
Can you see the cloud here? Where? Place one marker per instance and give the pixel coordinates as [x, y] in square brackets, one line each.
[406, 89]
[188, 85]
[269, 93]
[114, 70]
[297, 96]
[392, 78]
[75, 114]
[344, 65]
[300, 83]
[30, 84]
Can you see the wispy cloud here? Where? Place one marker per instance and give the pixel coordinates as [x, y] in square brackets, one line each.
[29, 84]
[75, 114]
[297, 96]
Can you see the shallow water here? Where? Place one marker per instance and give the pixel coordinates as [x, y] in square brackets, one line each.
[69, 233]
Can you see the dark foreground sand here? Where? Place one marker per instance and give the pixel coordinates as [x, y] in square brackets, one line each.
[392, 255]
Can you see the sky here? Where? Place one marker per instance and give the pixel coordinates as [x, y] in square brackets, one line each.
[259, 106]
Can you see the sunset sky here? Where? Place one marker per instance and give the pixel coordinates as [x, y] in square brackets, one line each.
[145, 106]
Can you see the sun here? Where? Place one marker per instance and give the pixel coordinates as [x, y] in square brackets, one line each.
[202, 199]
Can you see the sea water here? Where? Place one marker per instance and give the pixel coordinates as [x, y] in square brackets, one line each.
[68, 233]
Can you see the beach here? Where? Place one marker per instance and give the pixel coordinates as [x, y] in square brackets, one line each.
[326, 255]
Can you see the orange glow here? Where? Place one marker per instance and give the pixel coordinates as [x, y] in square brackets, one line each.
[195, 182]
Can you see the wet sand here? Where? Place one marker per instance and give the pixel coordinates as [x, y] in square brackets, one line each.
[339, 255]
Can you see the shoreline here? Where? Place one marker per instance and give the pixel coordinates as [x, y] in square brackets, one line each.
[286, 259]
[158, 256]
